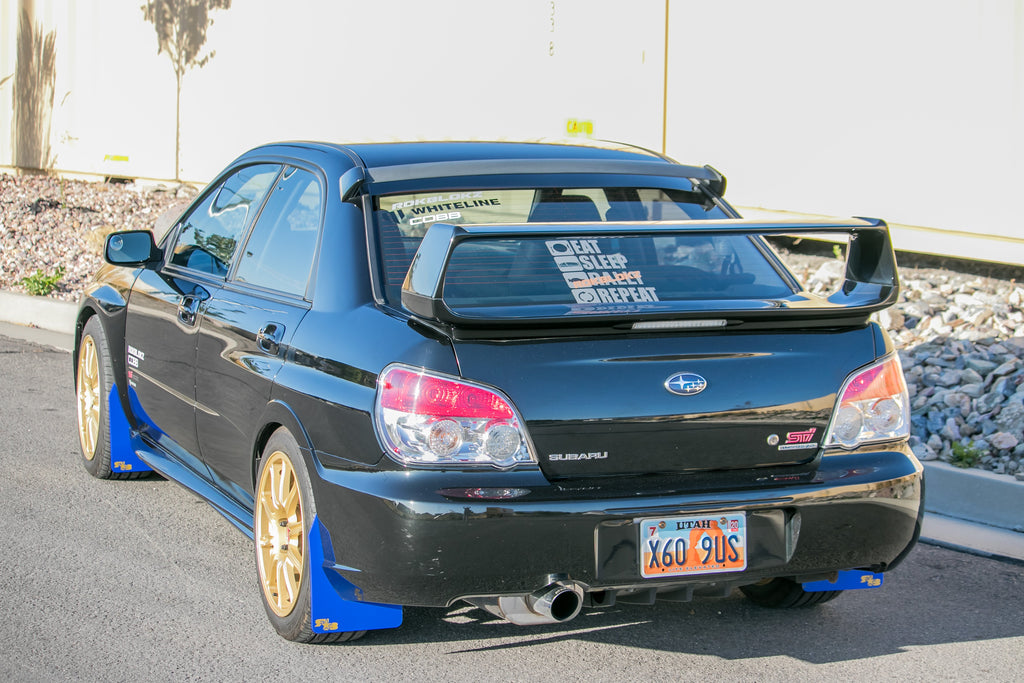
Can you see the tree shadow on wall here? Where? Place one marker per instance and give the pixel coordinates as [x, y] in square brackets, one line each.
[181, 27]
[34, 77]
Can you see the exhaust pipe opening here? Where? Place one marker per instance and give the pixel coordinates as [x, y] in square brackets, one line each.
[558, 603]
[565, 606]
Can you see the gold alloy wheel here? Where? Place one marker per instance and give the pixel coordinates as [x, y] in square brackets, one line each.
[87, 390]
[280, 536]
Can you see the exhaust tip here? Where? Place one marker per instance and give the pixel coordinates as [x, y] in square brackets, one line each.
[558, 602]
[565, 606]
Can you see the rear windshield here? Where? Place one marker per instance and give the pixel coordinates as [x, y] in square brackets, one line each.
[603, 274]
[606, 270]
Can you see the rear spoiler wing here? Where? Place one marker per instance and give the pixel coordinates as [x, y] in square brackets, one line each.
[871, 282]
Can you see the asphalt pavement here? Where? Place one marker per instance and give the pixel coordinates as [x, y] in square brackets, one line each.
[966, 509]
[141, 581]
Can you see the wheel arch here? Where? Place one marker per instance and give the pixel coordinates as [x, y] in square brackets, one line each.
[84, 314]
[277, 414]
[113, 324]
[109, 305]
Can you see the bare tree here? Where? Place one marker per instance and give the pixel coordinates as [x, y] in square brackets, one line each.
[181, 32]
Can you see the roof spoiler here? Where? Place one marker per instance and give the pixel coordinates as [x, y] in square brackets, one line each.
[491, 167]
[871, 282]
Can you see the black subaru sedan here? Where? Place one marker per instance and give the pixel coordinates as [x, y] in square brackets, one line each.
[537, 378]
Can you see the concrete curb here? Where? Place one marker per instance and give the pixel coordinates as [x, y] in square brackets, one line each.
[966, 509]
[38, 311]
[977, 539]
[974, 495]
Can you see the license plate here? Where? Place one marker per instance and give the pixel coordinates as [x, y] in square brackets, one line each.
[688, 546]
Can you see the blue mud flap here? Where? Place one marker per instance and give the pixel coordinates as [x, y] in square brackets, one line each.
[846, 581]
[336, 604]
[122, 453]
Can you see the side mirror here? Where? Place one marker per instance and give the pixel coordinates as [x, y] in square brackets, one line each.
[132, 248]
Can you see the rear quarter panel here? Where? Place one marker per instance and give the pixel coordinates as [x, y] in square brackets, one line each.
[330, 376]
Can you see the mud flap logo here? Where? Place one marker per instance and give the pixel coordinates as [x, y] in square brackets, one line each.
[326, 624]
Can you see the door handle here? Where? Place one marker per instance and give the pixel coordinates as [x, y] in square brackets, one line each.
[269, 337]
[187, 309]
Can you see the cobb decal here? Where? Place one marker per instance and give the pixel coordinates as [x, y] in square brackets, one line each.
[451, 216]
[134, 359]
[135, 356]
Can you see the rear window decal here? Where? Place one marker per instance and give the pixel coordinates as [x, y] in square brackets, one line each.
[596, 277]
[451, 216]
[440, 207]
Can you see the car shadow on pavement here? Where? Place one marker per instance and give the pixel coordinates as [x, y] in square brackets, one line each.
[938, 596]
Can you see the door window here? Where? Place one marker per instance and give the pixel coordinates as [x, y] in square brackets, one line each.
[280, 249]
[210, 233]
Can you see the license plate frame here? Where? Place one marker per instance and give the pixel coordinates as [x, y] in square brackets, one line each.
[692, 545]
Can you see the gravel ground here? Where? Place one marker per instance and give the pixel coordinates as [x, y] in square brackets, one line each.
[48, 223]
[959, 324]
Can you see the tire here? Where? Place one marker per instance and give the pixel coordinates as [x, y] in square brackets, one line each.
[93, 380]
[283, 511]
[785, 593]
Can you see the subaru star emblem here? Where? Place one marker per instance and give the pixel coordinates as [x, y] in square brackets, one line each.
[686, 383]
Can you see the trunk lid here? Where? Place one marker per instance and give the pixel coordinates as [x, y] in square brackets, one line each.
[600, 406]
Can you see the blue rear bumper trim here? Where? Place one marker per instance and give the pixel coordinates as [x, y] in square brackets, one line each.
[336, 604]
[846, 581]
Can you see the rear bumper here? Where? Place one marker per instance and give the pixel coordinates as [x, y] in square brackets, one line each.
[401, 541]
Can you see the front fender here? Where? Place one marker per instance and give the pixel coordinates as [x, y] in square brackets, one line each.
[107, 299]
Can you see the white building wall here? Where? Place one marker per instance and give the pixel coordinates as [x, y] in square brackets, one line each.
[342, 70]
[357, 71]
[906, 110]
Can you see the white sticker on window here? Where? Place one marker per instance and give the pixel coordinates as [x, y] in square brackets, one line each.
[596, 277]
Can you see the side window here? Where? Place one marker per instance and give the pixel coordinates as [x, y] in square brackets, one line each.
[280, 249]
[210, 233]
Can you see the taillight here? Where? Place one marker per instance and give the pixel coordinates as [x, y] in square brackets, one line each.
[428, 419]
[873, 406]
